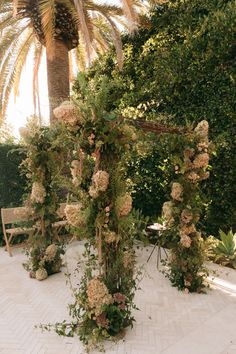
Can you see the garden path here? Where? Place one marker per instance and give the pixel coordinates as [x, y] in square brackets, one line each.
[169, 322]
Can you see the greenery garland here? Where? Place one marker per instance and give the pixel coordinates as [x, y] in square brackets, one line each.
[182, 213]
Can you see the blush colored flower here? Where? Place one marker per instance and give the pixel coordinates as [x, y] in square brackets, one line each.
[50, 252]
[201, 160]
[189, 152]
[93, 192]
[122, 306]
[98, 295]
[205, 175]
[185, 241]
[177, 191]
[68, 113]
[41, 274]
[118, 297]
[74, 215]
[186, 216]
[124, 205]
[201, 130]
[193, 177]
[101, 180]
[38, 193]
[102, 321]
[187, 230]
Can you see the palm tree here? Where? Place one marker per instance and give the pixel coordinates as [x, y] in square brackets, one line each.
[59, 27]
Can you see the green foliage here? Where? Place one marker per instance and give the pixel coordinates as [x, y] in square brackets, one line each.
[183, 68]
[227, 245]
[12, 184]
[150, 173]
[140, 223]
[224, 251]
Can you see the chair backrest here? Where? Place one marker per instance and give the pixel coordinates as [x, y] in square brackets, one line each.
[14, 215]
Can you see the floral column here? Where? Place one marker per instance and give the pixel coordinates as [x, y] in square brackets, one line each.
[102, 213]
[182, 213]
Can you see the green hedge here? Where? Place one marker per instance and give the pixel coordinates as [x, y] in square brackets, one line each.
[12, 184]
[182, 68]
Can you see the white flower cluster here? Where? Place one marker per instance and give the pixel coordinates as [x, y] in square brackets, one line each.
[123, 205]
[74, 215]
[38, 193]
[201, 160]
[201, 131]
[68, 113]
[41, 274]
[50, 252]
[185, 241]
[100, 182]
[110, 236]
[98, 296]
[185, 234]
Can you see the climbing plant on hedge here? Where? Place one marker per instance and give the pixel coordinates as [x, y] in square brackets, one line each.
[104, 299]
[182, 213]
[43, 166]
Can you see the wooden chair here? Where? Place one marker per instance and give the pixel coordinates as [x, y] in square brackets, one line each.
[58, 225]
[10, 218]
[13, 216]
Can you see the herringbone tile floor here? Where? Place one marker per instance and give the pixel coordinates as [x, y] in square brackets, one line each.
[167, 322]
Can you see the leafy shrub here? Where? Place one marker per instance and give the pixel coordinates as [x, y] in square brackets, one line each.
[12, 184]
[223, 251]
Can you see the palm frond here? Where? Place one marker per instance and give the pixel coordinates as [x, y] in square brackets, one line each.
[47, 14]
[38, 51]
[12, 67]
[15, 6]
[130, 13]
[80, 57]
[85, 27]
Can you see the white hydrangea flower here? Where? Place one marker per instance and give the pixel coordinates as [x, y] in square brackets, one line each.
[38, 193]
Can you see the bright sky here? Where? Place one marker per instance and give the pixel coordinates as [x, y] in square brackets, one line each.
[22, 108]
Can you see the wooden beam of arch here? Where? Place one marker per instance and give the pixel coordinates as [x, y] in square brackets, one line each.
[156, 128]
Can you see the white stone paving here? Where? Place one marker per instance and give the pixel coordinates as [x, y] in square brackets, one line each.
[168, 321]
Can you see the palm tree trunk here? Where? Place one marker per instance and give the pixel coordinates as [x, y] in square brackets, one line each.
[58, 75]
